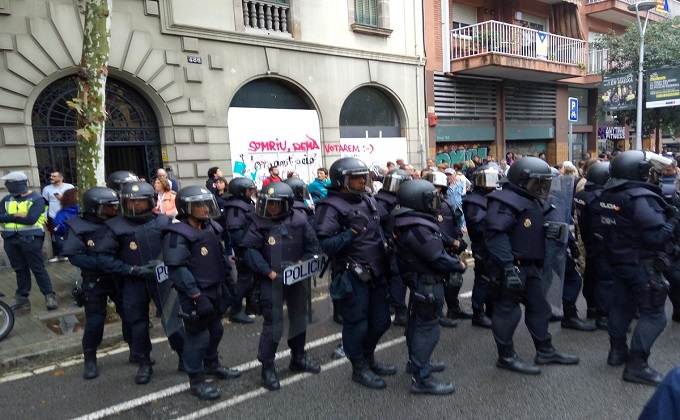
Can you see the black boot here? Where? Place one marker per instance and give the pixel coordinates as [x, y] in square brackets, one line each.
[399, 316]
[546, 354]
[20, 302]
[144, 371]
[338, 352]
[365, 376]
[508, 359]
[480, 319]
[591, 313]
[90, 370]
[237, 315]
[200, 388]
[212, 367]
[382, 369]
[618, 352]
[638, 370]
[269, 378]
[572, 321]
[337, 318]
[602, 322]
[300, 363]
[454, 310]
[135, 360]
[430, 385]
[447, 322]
[180, 363]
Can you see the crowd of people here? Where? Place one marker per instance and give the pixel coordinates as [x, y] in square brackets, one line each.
[396, 244]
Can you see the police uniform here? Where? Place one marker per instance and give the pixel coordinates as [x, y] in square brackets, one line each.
[126, 246]
[97, 286]
[236, 211]
[198, 267]
[515, 239]
[425, 267]
[270, 245]
[23, 239]
[635, 237]
[474, 209]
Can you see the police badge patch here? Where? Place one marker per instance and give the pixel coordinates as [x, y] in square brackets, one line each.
[204, 251]
[271, 241]
[133, 246]
[527, 223]
[90, 243]
[440, 218]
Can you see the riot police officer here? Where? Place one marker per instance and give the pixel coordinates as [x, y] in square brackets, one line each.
[117, 179]
[301, 198]
[129, 248]
[84, 232]
[597, 274]
[348, 228]
[198, 266]
[277, 238]
[425, 266]
[635, 236]
[486, 179]
[455, 244]
[237, 206]
[515, 237]
[387, 201]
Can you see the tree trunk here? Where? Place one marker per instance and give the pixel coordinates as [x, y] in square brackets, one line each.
[91, 100]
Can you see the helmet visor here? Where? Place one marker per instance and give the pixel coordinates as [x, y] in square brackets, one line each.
[137, 207]
[539, 186]
[270, 207]
[393, 181]
[487, 179]
[435, 203]
[202, 207]
[107, 209]
[358, 181]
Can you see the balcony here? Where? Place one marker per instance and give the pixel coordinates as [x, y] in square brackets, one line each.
[271, 16]
[498, 49]
[615, 11]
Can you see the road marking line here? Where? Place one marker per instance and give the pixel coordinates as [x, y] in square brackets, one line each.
[261, 391]
[168, 392]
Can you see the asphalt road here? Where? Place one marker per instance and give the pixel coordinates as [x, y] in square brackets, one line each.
[590, 390]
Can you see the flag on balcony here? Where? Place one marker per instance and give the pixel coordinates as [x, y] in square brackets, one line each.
[662, 6]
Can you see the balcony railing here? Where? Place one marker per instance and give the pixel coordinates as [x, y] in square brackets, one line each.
[600, 1]
[503, 38]
[268, 15]
[598, 61]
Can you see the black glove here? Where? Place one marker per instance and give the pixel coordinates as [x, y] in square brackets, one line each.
[462, 246]
[204, 306]
[573, 249]
[143, 270]
[552, 231]
[358, 221]
[512, 280]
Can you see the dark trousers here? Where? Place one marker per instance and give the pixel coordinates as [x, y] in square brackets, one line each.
[137, 295]
[572, 283]
[25, 256]
[480, 289]
[57, 245]
[507, 313]
[590, 282]
[96, 290]
[672, 274]
[244, 286]
[397, 286]
[603, 286]
[366, 317]
[423, 333]
[295, 297]
[203, 336]
[631, 290]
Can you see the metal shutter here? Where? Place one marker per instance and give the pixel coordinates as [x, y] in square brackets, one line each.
[464, 99]
[529, 101]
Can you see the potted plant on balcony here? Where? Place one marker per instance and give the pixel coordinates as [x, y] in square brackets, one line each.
[488, 41]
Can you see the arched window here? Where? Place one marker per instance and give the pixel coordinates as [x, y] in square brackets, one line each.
[270, 93]
[132, 138]
[367, 109]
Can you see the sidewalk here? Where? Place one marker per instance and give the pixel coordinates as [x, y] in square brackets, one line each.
[40, 335]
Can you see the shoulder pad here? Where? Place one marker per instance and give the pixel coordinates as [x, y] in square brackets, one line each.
[120, 226]
[238, 203]
[185, 230]
[80, 226]
[414, 220]
[512, 200]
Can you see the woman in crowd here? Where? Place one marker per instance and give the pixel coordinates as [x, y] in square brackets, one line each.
[69, 209]
[166, 197]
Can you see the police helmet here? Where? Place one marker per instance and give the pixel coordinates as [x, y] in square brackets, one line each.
[420, 195]
[197, 202]
[275, 201]
[486, 177]
[345, 168]
[239, 187]
[630, 165]
[532, 175]
[299, 189]
[598, 173]
[394, 179]
[116, 180]
[101, 202]
[438, 179]
[137, 200]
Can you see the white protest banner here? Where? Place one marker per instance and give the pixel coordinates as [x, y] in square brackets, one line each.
[374, 152]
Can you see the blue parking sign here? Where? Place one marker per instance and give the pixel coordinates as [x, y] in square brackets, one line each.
[573, 109]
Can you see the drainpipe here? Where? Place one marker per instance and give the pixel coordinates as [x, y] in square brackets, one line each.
[419, 83]
[446, 38]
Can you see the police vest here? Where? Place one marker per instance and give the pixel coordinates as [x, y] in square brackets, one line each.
[474, 210]
[12, 206]
[206, 260]
[527, 236]
[139, 243]
[283, 241]
[622, 239]
[586, 206]
[368, 246]
[82, 238]
[412, 231]
[386, 203]
[447, 220]
[305, 210]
